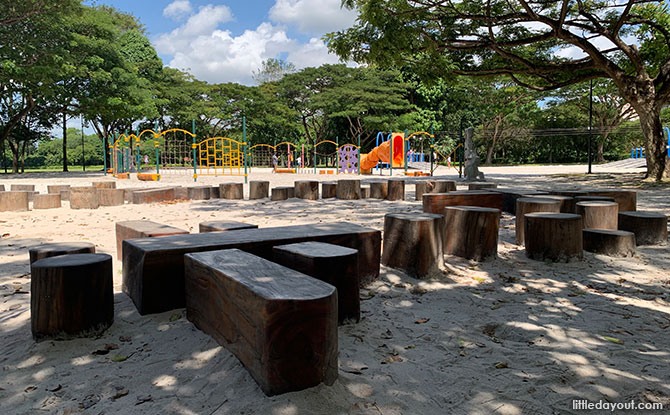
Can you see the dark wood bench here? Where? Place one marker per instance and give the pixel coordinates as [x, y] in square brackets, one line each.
[336, 265]
[436, 202]
[153, 268]
[132, 229]
[224, 225]
[281, 324]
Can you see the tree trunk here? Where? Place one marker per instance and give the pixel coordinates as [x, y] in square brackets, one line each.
[64, 139]
[600, 158]
[656, 153]
[489, 155]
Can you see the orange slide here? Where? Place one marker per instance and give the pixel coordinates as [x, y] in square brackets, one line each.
[381, 153]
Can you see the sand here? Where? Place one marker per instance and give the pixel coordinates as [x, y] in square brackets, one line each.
[506, 336]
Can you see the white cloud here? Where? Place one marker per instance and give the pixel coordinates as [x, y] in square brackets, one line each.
[313, 16]
[314, 53]
[204, 23]
[178, 9]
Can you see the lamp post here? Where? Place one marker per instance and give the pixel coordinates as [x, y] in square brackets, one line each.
[590, 123]
[83, 155]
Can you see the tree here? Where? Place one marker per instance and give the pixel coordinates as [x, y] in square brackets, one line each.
[272, 70]
[521, 39]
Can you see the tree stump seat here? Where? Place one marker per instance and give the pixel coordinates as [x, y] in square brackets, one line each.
[84, 197]
[530, 205]
[509, 197]
[107, 184]
[436, 202]
[553, 236]
[22, 188]
[598, 214]
[71, 296]
[396, 189]
[111, 197]
[413, 243]
[365, 192]
[60, 248]
[306, 189]
[379, 190]
[153, 195]
[609, 242]
[14, 201]
[199, 192]
[328, 190]
[471, 232]
[481, 185]
[231, 191]
[259, 189]
[224, 226]
[590, 198]
[650, 228]
[133, 229]
[282, 193]
[348, 189]
[567, 203]
[62, 189]
[444, 186]
[281, 324]
[626, 198]
[422, 187]
[336, 265]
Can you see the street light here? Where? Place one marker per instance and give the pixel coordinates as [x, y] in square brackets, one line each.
[590, 123]
[83, 155]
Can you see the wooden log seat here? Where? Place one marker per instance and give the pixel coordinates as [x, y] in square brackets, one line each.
[84, 197]
[71, 296]
[348, 189]
[413, 243]
[509, 197]
[422, 187]
[132, 229]
[22, 188]
[62, 248]
[396, 189]
[593, 199]
[529, 205]
[436, 202]
[128, 192]
[379, 190]
[153, 195]
[650, 228]
[14, 201]
[553, 236]
[481, 185]
[231, 191]
[46, 201]
[336, 265]
[328, 190]
[199, 192]
[471, 232]
[306, 189]
[62, 189]
[626, 198]
[609, 242]
[567, 202]
[281, 324]
[181, 193]
[444, 186]
[2, 187]
[259, 189]
[104, 185]
[110, 197]
[282, 193]
[153, 268]
[598, 215]
[224, 226]
[214, 192]
[569, 192]
[365, 192]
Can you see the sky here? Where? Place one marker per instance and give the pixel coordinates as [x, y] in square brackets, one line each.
[224, 41]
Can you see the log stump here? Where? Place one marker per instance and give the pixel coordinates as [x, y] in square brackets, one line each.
[198, 192]
[396, 189]
[47, 201]
[282, 193]
[379, 190]
[154, 195]
[104, 185]
[14, 201]
[436, 202]
[627, 199]
[413, 243]
[348, 189]
[598, 215]
[306, 189]
[111, 197]
[224, 225]
[365, 192]
[60, 188]
[650, 228]
[609, 242]
[444, 186]
[133, 229]
[471, 232]
[71, 296]
[2, 187]
[336, 265]
[422, 187]
[567, 202]
[530, 205]
[553, 236]
[214, 192]
[481, 185]
[84, 198]
[23, 188]
[65, 195]
[62, 248]
[594, 199]
[231, 191]
[569, 193]
[328, 190]
[509, 197]
[259, 189]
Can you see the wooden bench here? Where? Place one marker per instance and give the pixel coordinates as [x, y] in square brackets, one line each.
[62, 248]
[471, 232]
[348, 189]
[553, 236]
[14, 201]
[436, 202]
[224, 226]
[413, 243]
[133, 229]
[509, 197]
[650, 228]
[336, 265]
[609, 242]
[153, 268]
[71, 296]
[598, 215]
[281, 324]
[153, 195]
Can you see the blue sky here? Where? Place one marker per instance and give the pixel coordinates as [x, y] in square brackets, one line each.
[224, 41]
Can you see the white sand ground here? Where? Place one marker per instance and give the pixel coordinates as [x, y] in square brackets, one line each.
[506, 336]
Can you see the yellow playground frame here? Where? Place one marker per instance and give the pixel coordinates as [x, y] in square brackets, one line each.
[217, 154]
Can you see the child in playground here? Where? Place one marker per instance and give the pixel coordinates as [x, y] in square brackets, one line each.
[275, 161]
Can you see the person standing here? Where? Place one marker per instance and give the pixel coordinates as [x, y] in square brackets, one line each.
[275, 161]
